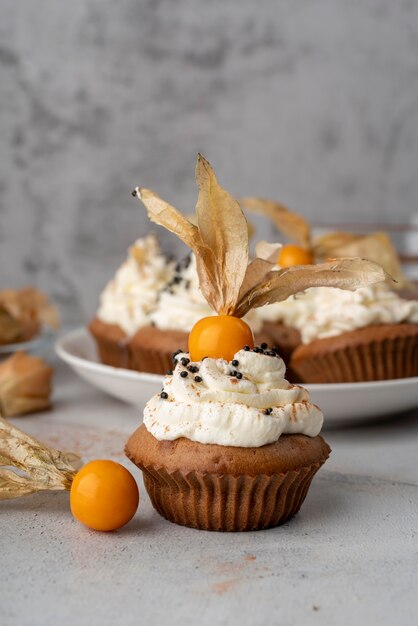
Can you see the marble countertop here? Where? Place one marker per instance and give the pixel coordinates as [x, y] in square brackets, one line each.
[350, 556]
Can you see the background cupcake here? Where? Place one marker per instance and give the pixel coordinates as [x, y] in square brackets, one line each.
[346, 336]
[128, 299]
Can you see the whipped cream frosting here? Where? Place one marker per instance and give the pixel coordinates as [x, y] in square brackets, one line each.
[246, 402]
[181, 304]
[322, 312]
[131, 295]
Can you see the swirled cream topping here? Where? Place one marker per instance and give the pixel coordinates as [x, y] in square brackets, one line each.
[181, 304]
[246, 402]
[322, 312]
[131, 295]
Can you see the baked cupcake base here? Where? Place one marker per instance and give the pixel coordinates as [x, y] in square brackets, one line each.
[224, 488]
[112, 343]
[286, 338]
[381, 352]
[152, 349]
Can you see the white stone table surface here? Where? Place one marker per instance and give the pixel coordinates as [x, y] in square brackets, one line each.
[349, 557]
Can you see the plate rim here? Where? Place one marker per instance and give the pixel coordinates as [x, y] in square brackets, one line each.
[82, 332]
[30, 344]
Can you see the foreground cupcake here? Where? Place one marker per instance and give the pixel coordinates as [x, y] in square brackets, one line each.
[229, 444]
[128, 300]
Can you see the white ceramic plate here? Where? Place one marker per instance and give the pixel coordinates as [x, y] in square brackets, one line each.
[341, 403]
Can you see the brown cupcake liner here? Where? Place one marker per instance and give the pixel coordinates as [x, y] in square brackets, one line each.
[112, 350]
[150, 360]
[151, 349]
[225, 502]
[385, 359]
[286, 338]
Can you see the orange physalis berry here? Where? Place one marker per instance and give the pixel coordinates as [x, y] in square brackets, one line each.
[104, 495]
[290, 255]
[219, 337]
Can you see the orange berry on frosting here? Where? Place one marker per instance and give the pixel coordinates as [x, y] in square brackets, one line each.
[104, 495]
[291, 255]
[219, 337]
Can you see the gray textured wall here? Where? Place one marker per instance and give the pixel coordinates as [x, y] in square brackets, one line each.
[314, 102]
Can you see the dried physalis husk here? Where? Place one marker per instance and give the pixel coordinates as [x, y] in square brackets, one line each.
[219, 239]
[278, 285]
[40, 467]
[290, 224]
[192, 217]
[25, 384]
[22, 314]
[11, 330]
[376, 247]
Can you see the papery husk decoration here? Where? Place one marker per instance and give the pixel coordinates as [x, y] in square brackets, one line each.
[25, 384]
[375, 246]
[291, 224]
[219, 239]
[23, 312]
[44, 468]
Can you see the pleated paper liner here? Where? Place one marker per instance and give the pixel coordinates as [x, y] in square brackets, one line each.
[151, 349]
[228, 503]
[112, 344]
[375, 353]
[286, 338]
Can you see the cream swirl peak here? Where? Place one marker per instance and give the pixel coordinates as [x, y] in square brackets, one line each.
[246, 402]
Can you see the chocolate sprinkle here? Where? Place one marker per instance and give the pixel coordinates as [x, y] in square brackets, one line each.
[246, 348]
[235, 363]
[198, 379]
[169, 373]
[263, 346]
[238, 375]
[164, 395]
[183, 374]
[267, 411]
[184, 361]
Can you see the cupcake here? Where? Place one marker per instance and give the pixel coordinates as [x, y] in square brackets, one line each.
[180, 305]
[127, 301]
[229, 446]
[375, 314]
[369, 334]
